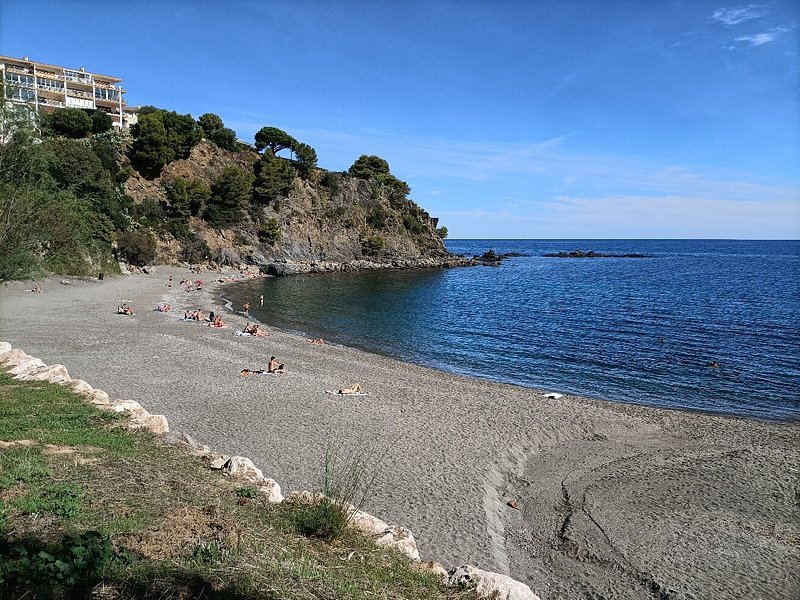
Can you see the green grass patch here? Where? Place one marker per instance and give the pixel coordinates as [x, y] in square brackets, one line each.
[148, 520]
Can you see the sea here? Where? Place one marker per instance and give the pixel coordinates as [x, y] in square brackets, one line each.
[704, 325]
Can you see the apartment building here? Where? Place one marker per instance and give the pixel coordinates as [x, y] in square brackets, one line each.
[49, 87]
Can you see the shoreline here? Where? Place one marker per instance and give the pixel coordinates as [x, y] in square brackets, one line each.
[617, 497]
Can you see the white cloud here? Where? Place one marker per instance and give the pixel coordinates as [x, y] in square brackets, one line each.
[757, 39]
[739, 14]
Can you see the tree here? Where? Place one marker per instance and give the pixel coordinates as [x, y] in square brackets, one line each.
[442, 232]
[275, 139]
[274, 177]
[368, 166]
[151, 149]
[230, 198]
[210, 122]
[224, 138]
[160, 137]
[101, 121]
[69, 122]
[186, 198]
[306, 158]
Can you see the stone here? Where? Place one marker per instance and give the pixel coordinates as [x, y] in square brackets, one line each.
[156, 424]
[216, 461]
[129, 406]
[242, 468]
[431, 566]
[51, 374]
[24, 364]
[400, 539]
[11, 356]
[271, 489]
[97, 397]
[489, 585]
[304, 497]
[4, 347]
[178, 438]
[367, 523]
[79, 386]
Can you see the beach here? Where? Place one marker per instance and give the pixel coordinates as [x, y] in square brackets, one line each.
[575, 497]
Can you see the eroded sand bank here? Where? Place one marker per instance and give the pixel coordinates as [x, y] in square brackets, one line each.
[612, 500]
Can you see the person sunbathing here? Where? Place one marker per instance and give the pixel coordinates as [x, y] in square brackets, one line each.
[254, 330]
[164, 307]
[198, 315]
[317, 342]
[36, 289]
[217, 322]
[124, 309]
[353, 389]
[273, 366]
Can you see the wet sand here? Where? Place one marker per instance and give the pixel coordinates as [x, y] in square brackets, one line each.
[612, 500]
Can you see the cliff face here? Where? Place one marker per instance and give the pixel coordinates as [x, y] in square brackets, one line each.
[327, 221]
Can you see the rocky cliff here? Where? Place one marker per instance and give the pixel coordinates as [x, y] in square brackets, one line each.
[326, 221]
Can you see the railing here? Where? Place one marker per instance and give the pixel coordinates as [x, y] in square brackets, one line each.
[48, 102]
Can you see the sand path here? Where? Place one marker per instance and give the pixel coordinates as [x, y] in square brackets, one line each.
[612, 500]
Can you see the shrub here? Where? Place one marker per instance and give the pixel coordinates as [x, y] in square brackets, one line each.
[195, 250]
[138, 247]
[331, 181]
[69, 122]
[274, 178]
[372, 246]
[348, 478]
[269, 231]
[413, 223]
[377, 217]
[230, 198]
[101, 121]
[442, 232]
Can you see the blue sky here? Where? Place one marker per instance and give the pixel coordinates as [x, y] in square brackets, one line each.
[526, 119]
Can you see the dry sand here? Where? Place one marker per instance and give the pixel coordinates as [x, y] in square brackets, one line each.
[612, 500]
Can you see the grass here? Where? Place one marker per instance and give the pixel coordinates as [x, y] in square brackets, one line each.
[91, 508]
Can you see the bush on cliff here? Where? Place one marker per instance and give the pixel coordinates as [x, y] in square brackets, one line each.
[273, 178]
[230, 198]
[69, 122]
[160, 137]
[138, 247]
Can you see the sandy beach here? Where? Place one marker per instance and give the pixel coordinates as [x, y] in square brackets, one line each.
[578, 498]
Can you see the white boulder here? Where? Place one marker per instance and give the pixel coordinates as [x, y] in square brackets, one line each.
[52, 374]
[156, 424]
[489, 585]
[400, 539]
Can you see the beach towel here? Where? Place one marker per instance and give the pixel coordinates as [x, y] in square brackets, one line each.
[552, 396]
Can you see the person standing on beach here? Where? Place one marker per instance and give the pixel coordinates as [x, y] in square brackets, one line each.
[261, 300]
[246, 307]
[170, 281]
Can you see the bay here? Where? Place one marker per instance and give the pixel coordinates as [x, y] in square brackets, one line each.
[637, 330]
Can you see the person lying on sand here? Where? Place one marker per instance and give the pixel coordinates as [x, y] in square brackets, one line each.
[254, 330]
[217, 322]
[353, 389]
[36, 289]
[124, 310]
[274, 366]
[248, 372]
[317, 342]
[163, 308]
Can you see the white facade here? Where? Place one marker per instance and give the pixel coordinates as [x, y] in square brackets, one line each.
[48, 87]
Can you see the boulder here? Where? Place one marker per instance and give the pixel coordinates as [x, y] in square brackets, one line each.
[24, 364]
[216, 461]
[129, 406]
[489, 585]
[271, 489]
[156, 424]
[433, 567]
[242, 468]
[367, 523]
[4, 347]
[303, 497]
[97, 397]
[52, 374]
[178, 438]
[400, 539]
[11, 356]
[79, 386]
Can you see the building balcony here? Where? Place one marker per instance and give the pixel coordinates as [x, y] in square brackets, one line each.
[49, 102]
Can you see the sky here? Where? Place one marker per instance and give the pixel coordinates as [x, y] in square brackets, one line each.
[509, 119]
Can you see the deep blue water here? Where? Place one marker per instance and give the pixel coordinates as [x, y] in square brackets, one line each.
[630, 330]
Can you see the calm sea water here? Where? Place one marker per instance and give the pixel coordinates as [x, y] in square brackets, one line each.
[630, 330]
